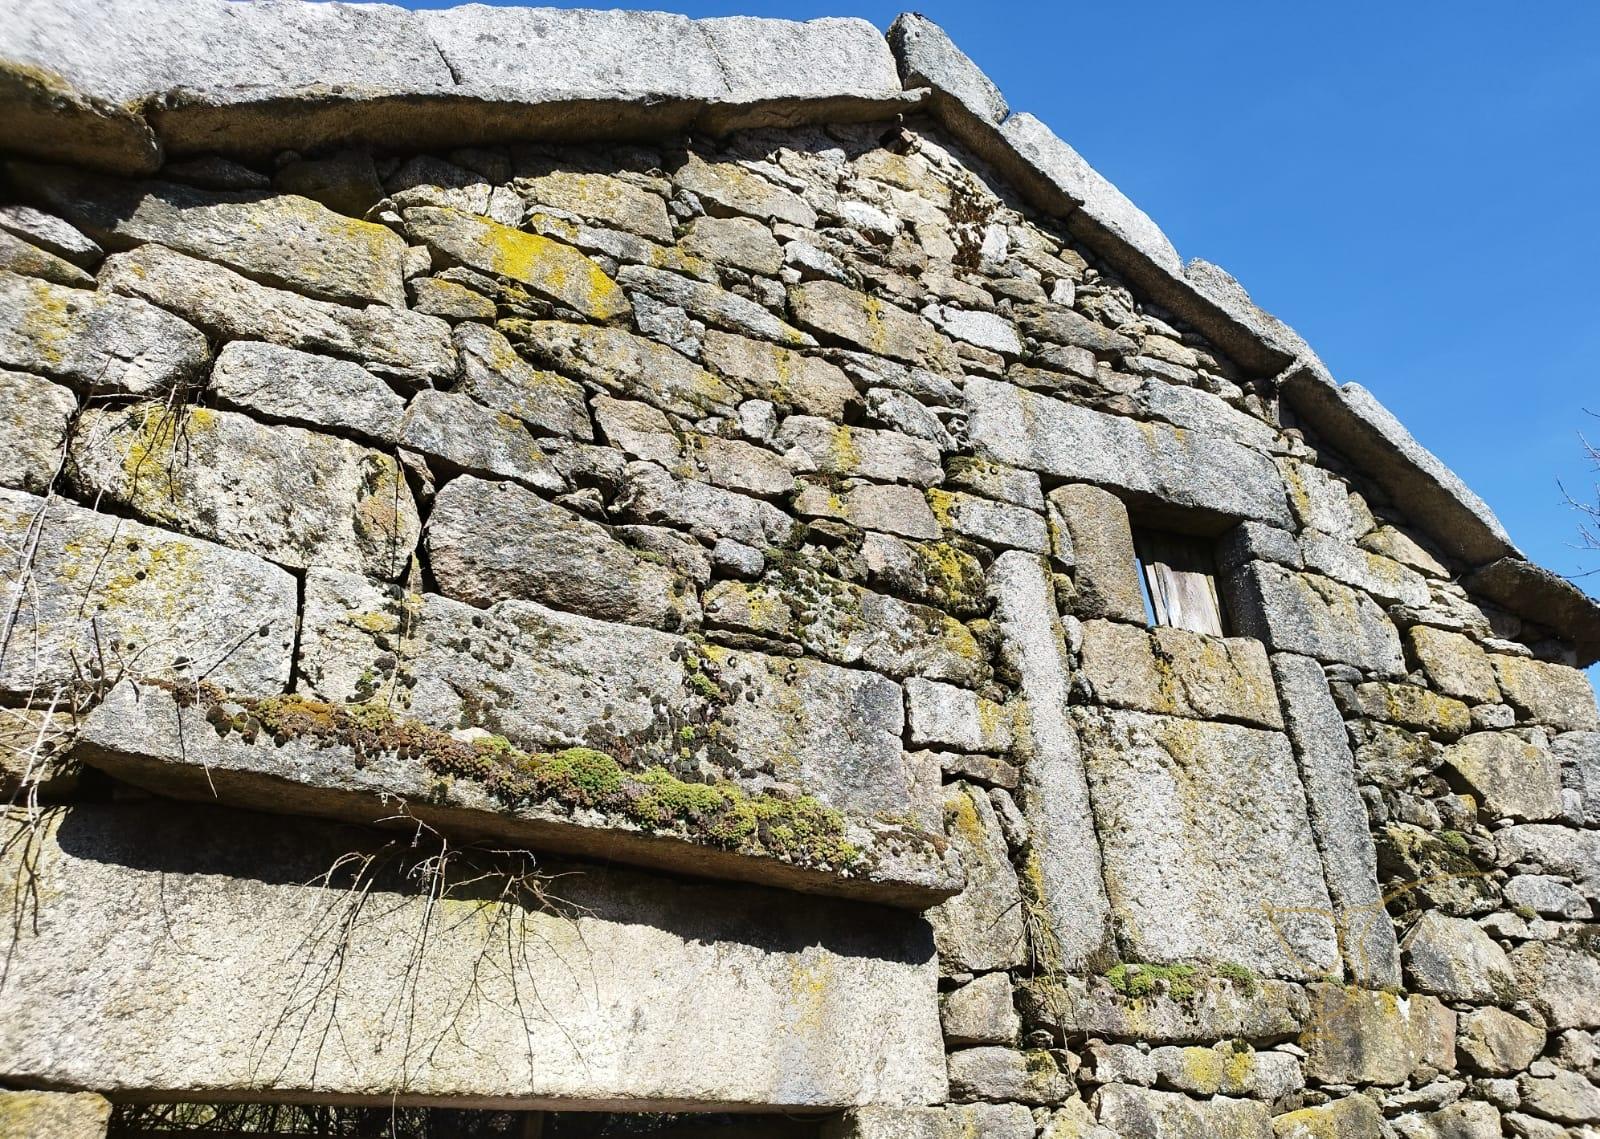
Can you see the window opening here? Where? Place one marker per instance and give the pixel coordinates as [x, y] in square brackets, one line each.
[1178, 574]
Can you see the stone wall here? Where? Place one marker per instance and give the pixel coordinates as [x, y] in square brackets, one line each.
[744, 526]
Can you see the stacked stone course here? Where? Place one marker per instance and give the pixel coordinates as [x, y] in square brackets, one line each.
[799, 468]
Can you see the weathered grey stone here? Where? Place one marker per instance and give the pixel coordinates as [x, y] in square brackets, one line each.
[872, 506]
[52, 234]
[1139, 1113]
[1353, 1117]
[1579, 753]
[978, 768]
[1563, 1096]
[638, 429]
[789, 379]
[1063, 859]
[1196, 409]
[36, 761]
[1322, 501]
[292, 496]
[282, 240]
[901, 412]
[812, 444]
[466, 435]
[1090, 531]
[1065, 326]
[1385, 579]
[1511, 777]
[1338, 820]
[1435, 871]
[286, 384]
[1410, 706]
[833, 311]
[653, 495]
[108, 342]
[1454, 663]
[1207, 844]
[345, 181]
[1073, 1121]
[1560, 850]
[33, 430]
[562, 680]
[1309, 614]
[981, 928]
[1563, 983]
[626, 365]
[105, 596]
[980, 1012]
[1006, 1075]
[1495, 1043]
[1356, 1036]
[1466, 1119]
[178, 884]
[448, 299]
[233, 307]
[734, 189]
[1195, 469]
[1546, 895]
[1550, 694]
[993, 523]
[942, 715]
[601, 198]
[996, 481]
[550, 269]
[1251, 541]
[490, 541]
[1351, 420]
[54, 1115]
[734, 464]
[1176, 672]
[927, 58]
[493, 374]
[1228, 1068]
[1545, 597]
[1453, 958]
[742, 243]
[716, 306]
[1220, 1008]
[984, 329]
[18, 256]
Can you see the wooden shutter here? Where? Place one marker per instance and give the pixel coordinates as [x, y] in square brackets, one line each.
[1180, 576]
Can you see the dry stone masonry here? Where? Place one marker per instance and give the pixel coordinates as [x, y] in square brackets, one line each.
[567, 561]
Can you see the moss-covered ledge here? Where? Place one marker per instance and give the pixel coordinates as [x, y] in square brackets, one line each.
[363, 764]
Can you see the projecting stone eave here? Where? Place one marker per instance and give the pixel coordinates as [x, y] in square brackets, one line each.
[122, 84]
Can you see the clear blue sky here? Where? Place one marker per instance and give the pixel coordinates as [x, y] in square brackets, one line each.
[1414, 186]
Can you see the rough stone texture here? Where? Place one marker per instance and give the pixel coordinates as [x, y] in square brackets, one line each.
[1194, 469]
[980, 1012]
[54, 1115]
[653, 495]
[850, 1005]
[1138, 1113]
[282, 240]
[942, 715]
[1561, 982]
[33, 430]
[1338, 820]
[18, 256]
[95, 340]
[1207, 845]
[804, 383]
[1091, 532]
[272, 382]
[927, 58]
[549, 268]
[1354, 1117]
[1455, 665]
[292, 496]
[982, 927]
[563, 680]
[106, 596]
[1565, 1097]
[490, 541]
[811, 444]
[464, 435]
[1555, 849]
[233, 307]
[1496, 1043]
[1176, 672]
[1359, 1036]
[1219, 1009]
[621, 362]
[1547, 693]
[1311, 615]
[604, 199]
[493, 374]
[830, 310]
[1467, 1119]
[1004, 1074]
[1512, 779]
[716, 306]
[1454, 959]
[1063, 860]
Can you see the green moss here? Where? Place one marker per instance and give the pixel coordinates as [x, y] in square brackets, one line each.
[1243, 978]
[718, 812]
[1176, 981]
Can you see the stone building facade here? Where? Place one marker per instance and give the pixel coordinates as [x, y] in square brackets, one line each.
[565, 565]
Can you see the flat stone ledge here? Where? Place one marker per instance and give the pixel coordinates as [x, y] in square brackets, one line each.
[226, 930]
[142, 735]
